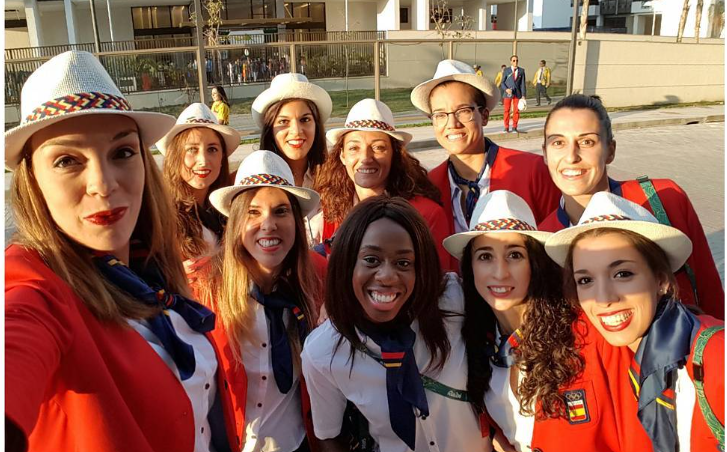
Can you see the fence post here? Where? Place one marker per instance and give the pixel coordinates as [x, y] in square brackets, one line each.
[293, 65]
[450, 50]
[572, 52]
[201, 63]
[377, 69]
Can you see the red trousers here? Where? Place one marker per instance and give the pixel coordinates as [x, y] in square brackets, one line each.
[515, 116]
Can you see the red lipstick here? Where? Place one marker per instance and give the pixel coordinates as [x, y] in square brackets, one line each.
[107, 217]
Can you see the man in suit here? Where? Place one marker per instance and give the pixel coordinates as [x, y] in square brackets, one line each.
[541, 82]
[513, 79]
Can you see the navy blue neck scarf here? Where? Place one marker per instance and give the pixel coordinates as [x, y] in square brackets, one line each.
[404, 387]
[473, 194]
[503, 354]
[145, 282]
[663, 350]
[275, 303]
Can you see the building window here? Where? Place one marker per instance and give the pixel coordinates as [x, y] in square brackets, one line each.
[158, 17]
[404, 15]
[316, 11]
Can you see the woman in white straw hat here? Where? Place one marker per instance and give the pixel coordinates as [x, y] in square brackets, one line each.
[263, 287]
[392, 345]
[369, 158]
[536, 371]
[578, 146]
[196, 152]
[291, 115]
[619, 263]
[104, 350]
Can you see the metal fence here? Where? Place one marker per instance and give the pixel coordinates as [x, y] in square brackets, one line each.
[161, 64]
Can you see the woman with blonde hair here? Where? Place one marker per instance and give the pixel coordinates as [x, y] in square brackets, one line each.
[104, 349]
[196, 152]
[263, 287]
[369, 158]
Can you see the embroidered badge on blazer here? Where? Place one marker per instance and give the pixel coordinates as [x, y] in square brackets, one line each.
[577, 406]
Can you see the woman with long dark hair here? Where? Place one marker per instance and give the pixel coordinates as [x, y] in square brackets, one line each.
[263, 288]
[196, 153]
[220, 105]
[392, 344]
[536, 370]
[369, 158]
[103, 346]
[619, 264]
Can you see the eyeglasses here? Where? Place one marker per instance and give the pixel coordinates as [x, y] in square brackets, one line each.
[463, 115]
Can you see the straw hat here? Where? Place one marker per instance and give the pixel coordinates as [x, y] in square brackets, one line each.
[606, 210]
[264, 169]
[369, 115]
[72, 84]
[460, 72]
[497, 212]
[200, 115]
[291, 86]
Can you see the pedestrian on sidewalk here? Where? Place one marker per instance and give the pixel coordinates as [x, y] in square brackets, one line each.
[578, 146]
[459, 103]
[392, 346]
[196, 152]
[514, 82]
[478, 70]
[529, 348]
[498, 83]
[541, 82]
[291, 115]
[369, 158]
[102, 340]
[619, 263]
[221, 106]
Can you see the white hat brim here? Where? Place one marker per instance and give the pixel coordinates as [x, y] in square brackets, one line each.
[455, 244]
[292, 90]
[674, 242]
[420, 94]
[152, 126]
[334, 135]
[222, 198]
[230, 135]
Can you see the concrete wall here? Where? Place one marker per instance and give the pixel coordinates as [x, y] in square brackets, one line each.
[361, 16]
[54, 27]
[556, 13]
[16, 38]
[640, 71]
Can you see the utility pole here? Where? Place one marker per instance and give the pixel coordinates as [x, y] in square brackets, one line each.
[514, 27]
[201, 63]
[96, 41]
[572, 51]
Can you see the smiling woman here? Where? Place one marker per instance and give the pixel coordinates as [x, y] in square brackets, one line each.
[95, 294]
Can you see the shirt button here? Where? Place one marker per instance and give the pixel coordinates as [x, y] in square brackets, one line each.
[207, 386]
[264, 345]
[202, 430]
[253, 436]
[264, 377]
[537, 449]
[431, 443]
[259, 405]
[424, 417]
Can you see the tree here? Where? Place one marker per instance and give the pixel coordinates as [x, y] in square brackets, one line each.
[449, 26]
[700, 5]
[211, 32]
[683, 20]
[584, 19]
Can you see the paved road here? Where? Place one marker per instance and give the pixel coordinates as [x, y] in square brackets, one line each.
[692, 155]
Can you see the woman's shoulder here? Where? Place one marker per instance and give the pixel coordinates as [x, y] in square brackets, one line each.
[321, 342]
[452, 299]
[23, 263]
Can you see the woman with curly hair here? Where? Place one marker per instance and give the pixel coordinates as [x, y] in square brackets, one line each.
[195, 153]
[369, 158]
[537, 371]
[392, 345]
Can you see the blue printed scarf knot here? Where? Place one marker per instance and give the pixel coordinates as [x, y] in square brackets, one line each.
[503, 354]
[144, 281]
[663, 350]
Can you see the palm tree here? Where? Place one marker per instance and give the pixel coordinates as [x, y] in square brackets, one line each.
[683, 20]
[700, 4]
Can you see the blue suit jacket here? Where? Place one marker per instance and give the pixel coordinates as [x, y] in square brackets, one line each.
[518, 85]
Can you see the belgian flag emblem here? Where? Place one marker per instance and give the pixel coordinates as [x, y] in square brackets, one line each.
[577, 407]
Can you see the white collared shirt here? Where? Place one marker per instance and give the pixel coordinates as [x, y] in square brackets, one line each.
[504, 408]
[451, 425]
[201, 387]
[456, 193]
[273, 420]
[686, 398]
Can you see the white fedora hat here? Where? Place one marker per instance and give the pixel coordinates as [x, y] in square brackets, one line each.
[200, 115]
[264, 169]
[369, 115]
[71, 84]
[497, 212]
[291, 86]
[458, 71]
[606, 210]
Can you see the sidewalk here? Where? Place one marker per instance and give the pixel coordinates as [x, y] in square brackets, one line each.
[423, 137]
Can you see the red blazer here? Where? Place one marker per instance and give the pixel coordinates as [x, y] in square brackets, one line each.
[73, 382]
[520, 172]
[436, 218]
[683, 217]
[595, 422]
